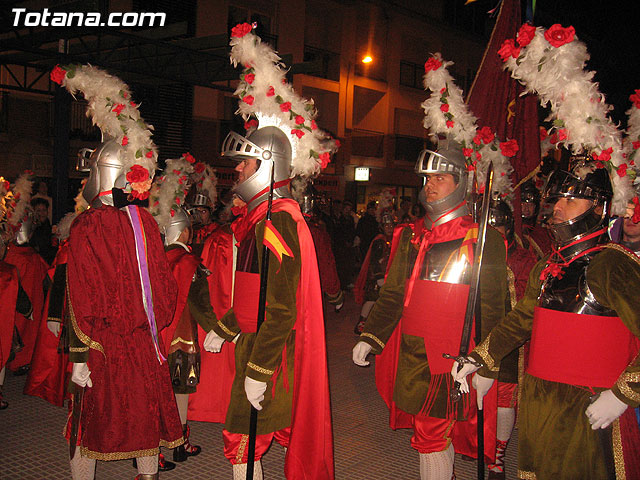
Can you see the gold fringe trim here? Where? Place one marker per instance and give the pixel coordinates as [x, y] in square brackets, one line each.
[85, 452]
[224, 328]
[618, 457]
[620, 248]
[241, 448]
[630, 377]
[374, 338]
[527, 475]
[260, 369]
[627, 391]
[78, 349]
[511, 279]
[79, 333]
[483, 351]
[535, 246]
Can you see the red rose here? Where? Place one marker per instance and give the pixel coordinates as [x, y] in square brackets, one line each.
[543, 133]
[199, 167]
[449, 123]
[635, 98]
[314, 126]
[270, 92]
[137, 173]
[557, 35]
[57, 75]
[622, 170]
[442, 90]
[508, 49]
[253, 123]
[486, 135]
[299, 119]
[444, 107]
[118, 108]
[125, 141]
[636, 145]
[636, 210]
[133, 104]
[149, 154]
[526, 34]
[241, 30]
[189, 158]
[477, 139]
[172, 212]
[510, 148]
[471, 167]
[478, 155]
[285, 107]
[599, 165]
[177, 200]
[325, 159]
[297, 133]
[249, 78]
[562, 135]
[337, 143]
[248, 99]
[432, 64]
[605, 155]
[467, 152]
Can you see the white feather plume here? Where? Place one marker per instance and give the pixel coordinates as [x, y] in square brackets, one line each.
[265, 93]
[63, 227]
[21, 196]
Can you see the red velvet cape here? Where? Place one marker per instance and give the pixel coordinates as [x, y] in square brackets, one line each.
[50, 371]
[217, 370]
[8, 298]
[32, 270]
[329, 281]
[310, 452]
[358, 289]
[130, 410]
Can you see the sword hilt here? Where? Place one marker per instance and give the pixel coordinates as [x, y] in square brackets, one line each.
[455, 394]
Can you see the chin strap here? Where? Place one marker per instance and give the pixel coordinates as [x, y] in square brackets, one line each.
[556, 268]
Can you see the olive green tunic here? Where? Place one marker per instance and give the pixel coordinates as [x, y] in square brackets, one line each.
[555, 438]
[413, 377]
[260, 356]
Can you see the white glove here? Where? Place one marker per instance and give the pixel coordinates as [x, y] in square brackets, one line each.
[54, 327]
[81, 375]
[255, 391]
[482, 386]
[213, 342]
[461, 376]
[380, 282]
[605, 410]
[360, 352]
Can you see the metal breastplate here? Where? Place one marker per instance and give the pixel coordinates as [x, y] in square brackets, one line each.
[571, 293]
[442, 264]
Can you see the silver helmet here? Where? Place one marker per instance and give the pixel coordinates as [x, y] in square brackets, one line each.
[179, 222]
[24, 233]
[270, 147]
[106, 171]
[448, 160]
[584, 181]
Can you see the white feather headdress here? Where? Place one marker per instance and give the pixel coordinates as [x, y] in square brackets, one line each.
[112, 109]
[447, 114]
[551, 63]
[265, 93]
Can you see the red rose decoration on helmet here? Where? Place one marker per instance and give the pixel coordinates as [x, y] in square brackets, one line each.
[189, 158]
[118, 108]
[138, 178]
[241, 30]
[444, 107]
[199, 167]
[635, 98]
[510, 148]
[486, 135]
[467, 152]
[543, 133]
[508, 49]
[636, 210]
[299, 119]
[526, 34]
[297, 133]
[248, 99]
[449, 123]
[325, 159]
[557, 35]
[285, 107]
[622, 170]
[253, 123]
[432, 64]
[271, 92]
[57, 75]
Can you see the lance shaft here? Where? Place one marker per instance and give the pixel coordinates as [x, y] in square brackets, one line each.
[262, 303]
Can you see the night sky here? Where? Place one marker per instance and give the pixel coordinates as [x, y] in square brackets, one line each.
[610, 31]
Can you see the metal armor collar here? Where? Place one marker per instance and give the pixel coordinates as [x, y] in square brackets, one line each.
[460, 210]
[569, 252]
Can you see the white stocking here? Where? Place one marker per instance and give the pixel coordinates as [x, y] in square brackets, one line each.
[2, 372]
[240, 471]
[82, 468]
[147, 465]
[506, 420]
[366, 308]
[437, 465]
[182, 399]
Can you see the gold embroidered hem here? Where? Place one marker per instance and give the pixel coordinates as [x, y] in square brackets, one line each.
[79, 333]
[78, 349]
[374, 338]
[511, 281]
[527, 475]
[85, 452]
[54, 319]
[241, 448]
[224, 328]
[618, 457]
[620, 248]
[483, 352]
[260, 369]
[182, 340]
[626, 390]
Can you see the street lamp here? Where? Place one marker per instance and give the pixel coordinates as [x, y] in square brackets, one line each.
[367, 59]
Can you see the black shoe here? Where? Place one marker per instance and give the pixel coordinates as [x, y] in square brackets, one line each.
[180, 454]
[23, 370]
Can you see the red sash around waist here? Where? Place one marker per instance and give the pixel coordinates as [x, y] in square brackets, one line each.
[436, 313]
[579, 349]
[245, 300]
